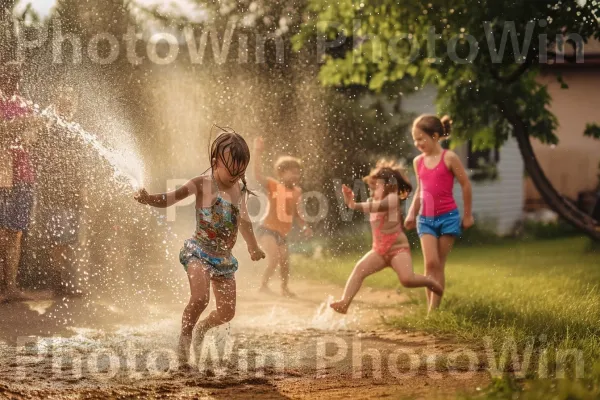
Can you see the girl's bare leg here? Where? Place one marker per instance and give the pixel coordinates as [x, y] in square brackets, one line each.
[12, 255]
[224, 290]
[429, 246]
[445, 244]
[199, 279]
[368, 265]
[284, 270]
[402, 264]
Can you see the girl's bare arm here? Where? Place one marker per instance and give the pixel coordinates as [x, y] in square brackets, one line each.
[164, 200]
[386, 204]
[460, 173]
[416, 203]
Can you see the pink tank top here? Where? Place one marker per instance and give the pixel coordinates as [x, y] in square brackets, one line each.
[436, 188]
[11, 108]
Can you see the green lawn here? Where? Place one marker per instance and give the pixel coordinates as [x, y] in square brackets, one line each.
[546, 291]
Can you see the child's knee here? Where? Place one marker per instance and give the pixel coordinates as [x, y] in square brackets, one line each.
[433, 265]
[199, 302]
[406, 280]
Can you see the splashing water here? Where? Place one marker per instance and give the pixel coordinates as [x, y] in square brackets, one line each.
[327, 319]
[113, 233]
[126, 165]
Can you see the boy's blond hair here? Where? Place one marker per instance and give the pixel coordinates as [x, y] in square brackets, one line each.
[285, 163]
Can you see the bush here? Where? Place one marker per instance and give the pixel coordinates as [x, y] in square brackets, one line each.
[548, 230]
[593, 246]
[477, 235]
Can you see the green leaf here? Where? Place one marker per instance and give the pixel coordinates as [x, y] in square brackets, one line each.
[472, 95]
[378, 80]
[412, 70]
[592, 130]
[563, 84]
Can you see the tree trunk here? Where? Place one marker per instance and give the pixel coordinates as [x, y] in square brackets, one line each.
[558, 203]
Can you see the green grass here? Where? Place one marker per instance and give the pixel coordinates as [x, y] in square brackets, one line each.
[541, 292]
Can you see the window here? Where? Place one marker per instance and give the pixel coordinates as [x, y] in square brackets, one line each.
[480, 158]
[482, 163]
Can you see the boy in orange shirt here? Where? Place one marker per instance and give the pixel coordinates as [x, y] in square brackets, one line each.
[284, 196]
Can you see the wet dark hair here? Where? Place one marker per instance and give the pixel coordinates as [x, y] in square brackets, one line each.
[232, 143]
[431, 124]
[393, 176]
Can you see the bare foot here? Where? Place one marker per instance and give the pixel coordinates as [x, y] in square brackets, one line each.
[183, 350]
[340, 306]
[184, 367]
[287, 293]
[430, 310]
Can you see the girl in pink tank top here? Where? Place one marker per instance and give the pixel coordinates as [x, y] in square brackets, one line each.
[390, 245]
[435, 186]
[433, 211]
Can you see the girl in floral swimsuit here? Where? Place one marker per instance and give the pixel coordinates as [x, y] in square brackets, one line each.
[206, 257]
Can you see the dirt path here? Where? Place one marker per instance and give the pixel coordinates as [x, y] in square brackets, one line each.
[275, 348]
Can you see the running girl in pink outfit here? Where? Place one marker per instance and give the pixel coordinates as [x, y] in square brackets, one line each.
[390, 245]
[438, 222]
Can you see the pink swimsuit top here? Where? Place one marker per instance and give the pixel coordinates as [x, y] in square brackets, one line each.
[436, 188]
[383, 242]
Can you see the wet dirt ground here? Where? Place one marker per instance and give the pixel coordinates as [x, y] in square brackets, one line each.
[275, 348]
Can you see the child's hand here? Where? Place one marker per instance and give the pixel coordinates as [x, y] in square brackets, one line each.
[468, 221]
[142, 196]
[410, 223]
[259, 144]
[348, 195]
[256, 253]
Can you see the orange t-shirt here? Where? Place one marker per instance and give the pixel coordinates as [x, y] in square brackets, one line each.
[283, 207]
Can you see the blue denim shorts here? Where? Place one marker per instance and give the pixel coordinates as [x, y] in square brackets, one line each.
[16, 204]
[218, 267]
[444, 224]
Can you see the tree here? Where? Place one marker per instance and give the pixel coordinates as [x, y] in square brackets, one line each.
[346, 129]
[483, 55]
